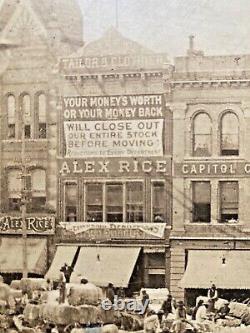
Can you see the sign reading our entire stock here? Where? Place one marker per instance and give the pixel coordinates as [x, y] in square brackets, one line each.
[109, 126]
[44, 225]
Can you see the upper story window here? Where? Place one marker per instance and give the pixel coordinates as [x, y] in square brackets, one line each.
[11, 116]
[94, 202]
[229, 134]
[201, 198]
[229, 201]
[26, 114]
[42, 128]
[38, 189]
[14, 185]
[134, 202]
[159, 201]
[202, 135]
[70, 196]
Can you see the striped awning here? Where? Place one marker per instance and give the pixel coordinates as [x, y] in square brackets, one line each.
[11, 255]
[229, 269]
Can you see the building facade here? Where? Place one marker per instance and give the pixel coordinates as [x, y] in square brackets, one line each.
[114, 163]
[210, 235]
[37, 34]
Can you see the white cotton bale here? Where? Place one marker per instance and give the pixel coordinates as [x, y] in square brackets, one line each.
[31, 312]
[88, 293]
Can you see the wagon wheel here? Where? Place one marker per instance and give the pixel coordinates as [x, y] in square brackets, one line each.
[69, 328]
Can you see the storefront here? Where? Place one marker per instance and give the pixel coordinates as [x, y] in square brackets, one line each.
[39, 230]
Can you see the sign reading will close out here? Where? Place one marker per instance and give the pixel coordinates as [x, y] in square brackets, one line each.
[114, 138]
[109, 126]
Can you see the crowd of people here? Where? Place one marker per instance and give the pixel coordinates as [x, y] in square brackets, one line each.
[174, 317]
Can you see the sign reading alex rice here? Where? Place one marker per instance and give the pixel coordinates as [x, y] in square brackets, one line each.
[108, 126]
[122, 166]
[116, 230]
[212, 169]
[35, 225]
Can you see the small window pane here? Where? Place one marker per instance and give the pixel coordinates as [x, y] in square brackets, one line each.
[229, 196]
[202, 135]
[114, 203]
[134, 200]
[94, 200]
[201, 202]
[229, 134]
[26, 109]
[42, 108]
[14, 189]
[159, 202]
[71, 202]
[11, 113]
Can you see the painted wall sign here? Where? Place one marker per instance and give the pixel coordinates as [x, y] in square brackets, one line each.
[116, 230]
[44, 225]
[103, 167]
[229, 169]
[114, 138]
[108, 126]
[113, 107]
[116, 61]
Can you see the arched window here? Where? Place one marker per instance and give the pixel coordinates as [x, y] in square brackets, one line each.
[41, 116]
[38, 189]
[14, 189]
[229, 134]
[202, 135]
[26, 114]
[11, 116]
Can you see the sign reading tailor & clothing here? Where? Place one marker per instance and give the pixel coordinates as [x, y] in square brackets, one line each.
[114, 61]
[108, 126]
[121, 166]
[35, 225]
[227, 169]
[116, 230]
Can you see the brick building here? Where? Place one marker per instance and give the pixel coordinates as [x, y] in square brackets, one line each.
[210, 237]
[114, 164]
[40, 30]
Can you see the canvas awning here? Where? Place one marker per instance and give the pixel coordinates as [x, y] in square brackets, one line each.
[64, 255]
[11, 255]
[102, 265]
[226, 269]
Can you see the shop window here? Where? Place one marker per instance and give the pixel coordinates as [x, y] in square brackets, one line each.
[201, 202]
[38, 190]
[134, 202]
[14, 184]
[94, 202]
[114, 202]
[156, 281]
[42, 128]
[26, 114]
[71, 202]
[202, 135]
[229, 201]
[159, 202]
[229, 134]
[156, 260]
[11, 114]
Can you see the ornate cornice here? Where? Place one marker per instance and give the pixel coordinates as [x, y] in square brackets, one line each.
[218, 83]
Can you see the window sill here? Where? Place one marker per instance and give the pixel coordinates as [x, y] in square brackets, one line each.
[213, 223]
[26, 140]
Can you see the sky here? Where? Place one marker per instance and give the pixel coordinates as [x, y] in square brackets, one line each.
[219, 26]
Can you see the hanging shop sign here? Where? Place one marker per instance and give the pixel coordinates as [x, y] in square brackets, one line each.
[44, 225]
[213, 169]
[114, 62]
[108, 126]
[116, 230]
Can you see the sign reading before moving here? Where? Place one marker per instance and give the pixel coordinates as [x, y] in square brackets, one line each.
[109, 126]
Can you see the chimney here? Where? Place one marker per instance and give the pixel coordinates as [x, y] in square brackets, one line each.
[191, 43]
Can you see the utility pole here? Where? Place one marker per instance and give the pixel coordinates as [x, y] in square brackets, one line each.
[24, 195]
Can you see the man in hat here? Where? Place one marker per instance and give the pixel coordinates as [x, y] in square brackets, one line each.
[223, 312]
[110, 293]
[168, 306]
[179, 324]
[212, 295]
[62, 286]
